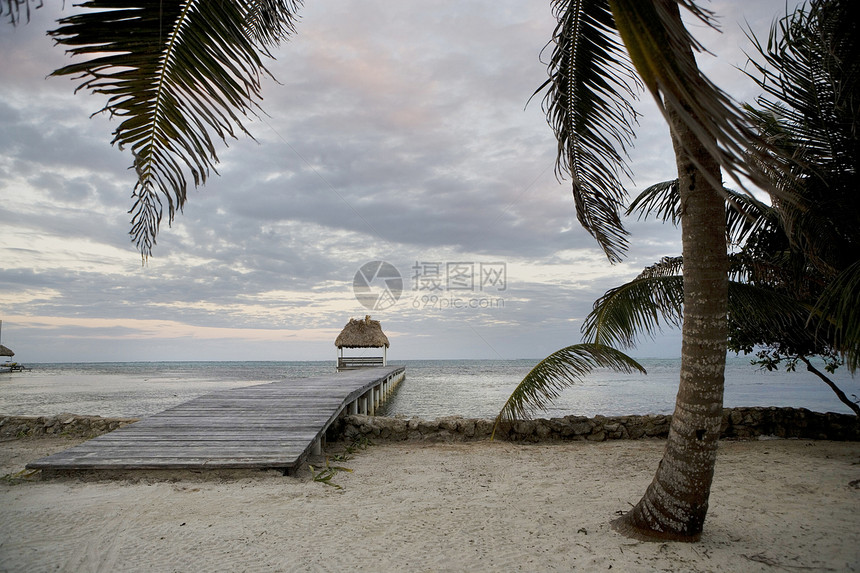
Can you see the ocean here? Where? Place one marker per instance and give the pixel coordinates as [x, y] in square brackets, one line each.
[432, 388]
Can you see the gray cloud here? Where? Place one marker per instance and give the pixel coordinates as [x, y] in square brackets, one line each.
[397, 131]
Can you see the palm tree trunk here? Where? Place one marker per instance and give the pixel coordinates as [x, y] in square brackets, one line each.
[675, 504]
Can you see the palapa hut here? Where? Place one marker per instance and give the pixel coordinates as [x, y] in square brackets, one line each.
[4, 351]
[361, 334]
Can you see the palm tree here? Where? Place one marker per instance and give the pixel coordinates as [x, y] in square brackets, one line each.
[795, 280]
[597, 47]
[675, 504]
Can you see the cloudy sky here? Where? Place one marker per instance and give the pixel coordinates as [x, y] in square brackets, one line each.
[396, 132]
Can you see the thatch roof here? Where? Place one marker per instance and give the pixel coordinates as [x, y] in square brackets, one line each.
[4, 351]
[362, 334]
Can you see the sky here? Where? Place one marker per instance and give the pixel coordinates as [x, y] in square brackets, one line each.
[394, 132]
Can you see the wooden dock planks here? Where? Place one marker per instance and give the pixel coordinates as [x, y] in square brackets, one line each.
[269, 426]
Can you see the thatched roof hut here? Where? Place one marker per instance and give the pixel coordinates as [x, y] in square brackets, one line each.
[362, 334]
[4, 351]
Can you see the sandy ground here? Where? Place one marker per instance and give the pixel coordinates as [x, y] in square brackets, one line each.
[489, 506]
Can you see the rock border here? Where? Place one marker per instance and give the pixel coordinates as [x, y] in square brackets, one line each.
[73, 425]
[738, 423]
[742, 423]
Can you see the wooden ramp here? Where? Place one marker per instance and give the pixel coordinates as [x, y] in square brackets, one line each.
[269, 426]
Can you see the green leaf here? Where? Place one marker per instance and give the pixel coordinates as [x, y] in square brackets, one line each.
[635, 308]
[809, 71]
[744, 216]
[587, 105]
[662, 200]
[757, 313]
[12, 9]
[839, 307]
[559, 370]
[176, 74]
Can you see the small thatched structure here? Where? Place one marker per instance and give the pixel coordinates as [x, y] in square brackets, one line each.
[359, 333]
[362, 334]
[4, 351]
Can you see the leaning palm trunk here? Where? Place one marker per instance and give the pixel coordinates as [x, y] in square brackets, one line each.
[596, 47]
[675, 504]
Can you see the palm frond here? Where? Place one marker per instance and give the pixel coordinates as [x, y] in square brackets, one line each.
[173, 72]
[665, 267]
[760, 311]
[559, 370]
[809, 72]
[661, 200]
[587, 104]
[745, 214]
[639, 307]
[809, 76]
[659, 47]
[655, 298]
[271, 21]
[12, 9]
[838, 306]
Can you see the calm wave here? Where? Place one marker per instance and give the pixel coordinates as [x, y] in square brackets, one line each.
[434, 388]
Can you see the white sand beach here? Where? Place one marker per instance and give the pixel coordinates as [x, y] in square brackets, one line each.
[776, 505]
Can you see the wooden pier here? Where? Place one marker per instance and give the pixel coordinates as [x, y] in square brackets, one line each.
[269, 426]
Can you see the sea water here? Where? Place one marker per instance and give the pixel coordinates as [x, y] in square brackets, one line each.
[432, 388]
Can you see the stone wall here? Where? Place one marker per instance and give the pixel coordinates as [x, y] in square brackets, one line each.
[61, 424]
[737, 423]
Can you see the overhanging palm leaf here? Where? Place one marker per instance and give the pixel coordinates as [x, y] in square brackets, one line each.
[559, 370]
[744, 216]
[172, 72]
[838, 305]
[636, 308]
[641, 307]
[12, 9]
[587, 105]
[592, 79]
[661, 200]
[809, 73]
